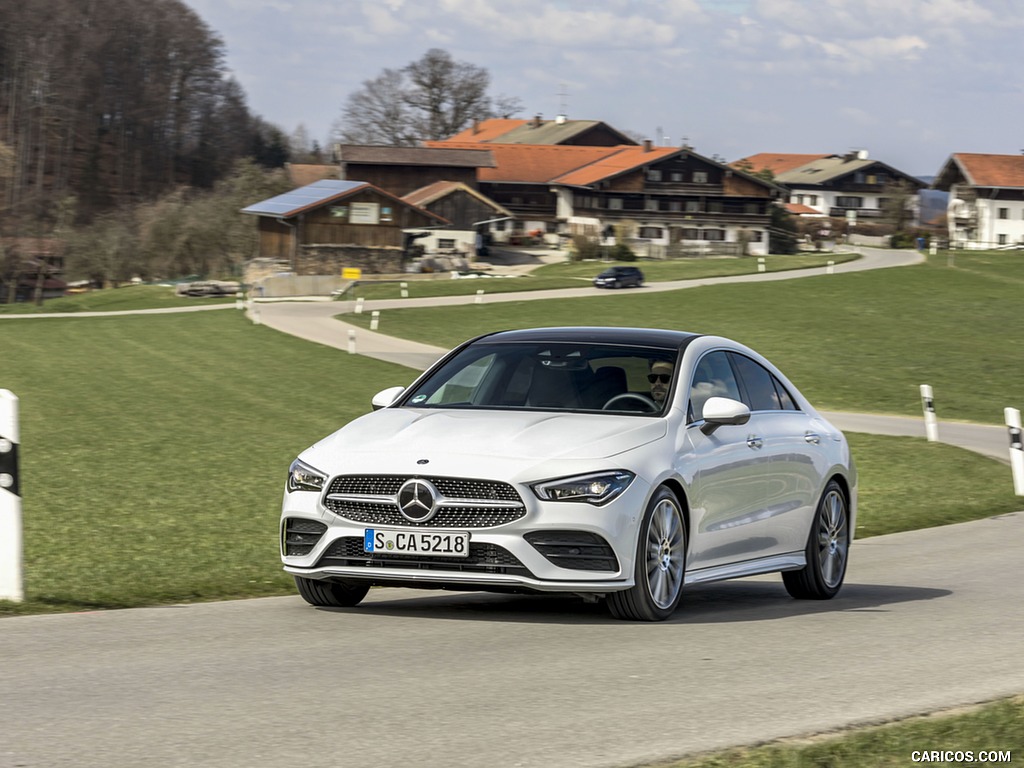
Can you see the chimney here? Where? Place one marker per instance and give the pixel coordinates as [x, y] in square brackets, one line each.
[647, 145]
[537, 120]
[476, 127]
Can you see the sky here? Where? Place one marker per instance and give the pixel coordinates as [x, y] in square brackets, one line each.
[911, 81]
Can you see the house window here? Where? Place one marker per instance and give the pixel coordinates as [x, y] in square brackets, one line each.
[691, 234]
[693, 206]
[1004, 213]
[845, 201]
[654, 175]
[650, 233]
[650, 205]
[551, 227]
[615, 203]
[676, 176]
[700, 177]
[714, 206]
[1002, 238]
[446, 243]
[756, 236]
[713, 234]
[499, 226]
[750, 208]
[812, 200]
[675, 206]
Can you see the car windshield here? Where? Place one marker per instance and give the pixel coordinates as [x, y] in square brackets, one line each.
[550, 376]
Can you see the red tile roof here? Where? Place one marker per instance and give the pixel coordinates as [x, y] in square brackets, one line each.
[776, 162]
[991, 170]
[535, 163]
[486, 130]
[799, 209]
[624, 158]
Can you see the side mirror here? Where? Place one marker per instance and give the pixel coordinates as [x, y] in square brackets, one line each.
[386, 397]
[719, 411]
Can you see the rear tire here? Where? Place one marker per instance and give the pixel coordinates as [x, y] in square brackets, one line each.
[659, 566]
[331, 594]
[828, 549]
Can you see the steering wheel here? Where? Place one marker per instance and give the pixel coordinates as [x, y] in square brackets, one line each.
[649, 405]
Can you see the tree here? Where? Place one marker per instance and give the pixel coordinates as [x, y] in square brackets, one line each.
[782, 230]
[896, 206]
[432, 98]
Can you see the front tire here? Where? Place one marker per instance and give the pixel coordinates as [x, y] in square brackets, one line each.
[659, 566]
[828, 549]
[331, 594]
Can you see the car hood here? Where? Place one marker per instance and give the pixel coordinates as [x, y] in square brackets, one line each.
[395, 439]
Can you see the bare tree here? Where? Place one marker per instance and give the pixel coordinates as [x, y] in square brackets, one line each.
[432, 98]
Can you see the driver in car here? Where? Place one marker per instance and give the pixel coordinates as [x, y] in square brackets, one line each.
[660, 377]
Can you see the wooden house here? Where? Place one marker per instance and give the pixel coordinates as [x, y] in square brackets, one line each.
[331, 224]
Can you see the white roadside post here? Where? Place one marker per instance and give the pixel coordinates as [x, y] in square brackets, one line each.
[933, 248]
[1012, 417]
[351, 342]
[830, 268]
[11, 586]
[405, 290]
[239, 303]
[359, 305]
[375, 320]
[760, 264]
[931, 423]
[479, 296]
[255, 314]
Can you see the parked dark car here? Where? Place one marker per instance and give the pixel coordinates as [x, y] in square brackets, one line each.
[620, 277]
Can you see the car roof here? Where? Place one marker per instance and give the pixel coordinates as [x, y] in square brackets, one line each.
[641, 337]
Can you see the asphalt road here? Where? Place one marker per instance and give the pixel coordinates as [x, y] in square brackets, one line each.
[927, 619]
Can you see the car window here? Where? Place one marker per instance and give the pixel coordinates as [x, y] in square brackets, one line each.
[713, 377]
[763, 392]
[555, 376]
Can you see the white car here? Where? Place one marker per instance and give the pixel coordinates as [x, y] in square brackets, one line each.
[612, 463]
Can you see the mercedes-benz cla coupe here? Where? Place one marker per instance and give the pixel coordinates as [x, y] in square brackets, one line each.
[612, 463]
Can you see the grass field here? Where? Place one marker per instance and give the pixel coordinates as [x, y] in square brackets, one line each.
[998, 726]
[115, 300]
[580, 273]
[863, 341]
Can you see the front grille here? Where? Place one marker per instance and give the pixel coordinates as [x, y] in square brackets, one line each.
[467, 503]
[576, 550]
[482, 558]
[299, 536]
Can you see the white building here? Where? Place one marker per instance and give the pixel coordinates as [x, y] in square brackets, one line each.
[986, 199]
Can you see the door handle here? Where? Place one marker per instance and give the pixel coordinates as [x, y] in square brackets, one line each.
[812, 438]
[754, 441]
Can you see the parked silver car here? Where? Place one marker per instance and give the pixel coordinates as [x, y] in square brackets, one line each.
[613, 463]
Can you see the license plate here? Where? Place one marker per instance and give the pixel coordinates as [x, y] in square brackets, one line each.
[424, 543]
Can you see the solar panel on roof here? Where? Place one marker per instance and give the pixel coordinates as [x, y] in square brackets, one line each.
[303, 197]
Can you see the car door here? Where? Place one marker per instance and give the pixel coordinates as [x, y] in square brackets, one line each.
[791, 451]
[726, 471]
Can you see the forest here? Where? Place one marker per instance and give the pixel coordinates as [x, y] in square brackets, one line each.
[113, 110]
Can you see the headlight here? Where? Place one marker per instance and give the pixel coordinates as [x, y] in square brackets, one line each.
[302, 477]
[599, 488]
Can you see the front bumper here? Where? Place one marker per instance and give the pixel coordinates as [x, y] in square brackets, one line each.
[553, 547]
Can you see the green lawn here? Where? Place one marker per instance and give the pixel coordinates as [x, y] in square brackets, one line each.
[998, 726]
[579, 274]
[863, 341]
[115, 300]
